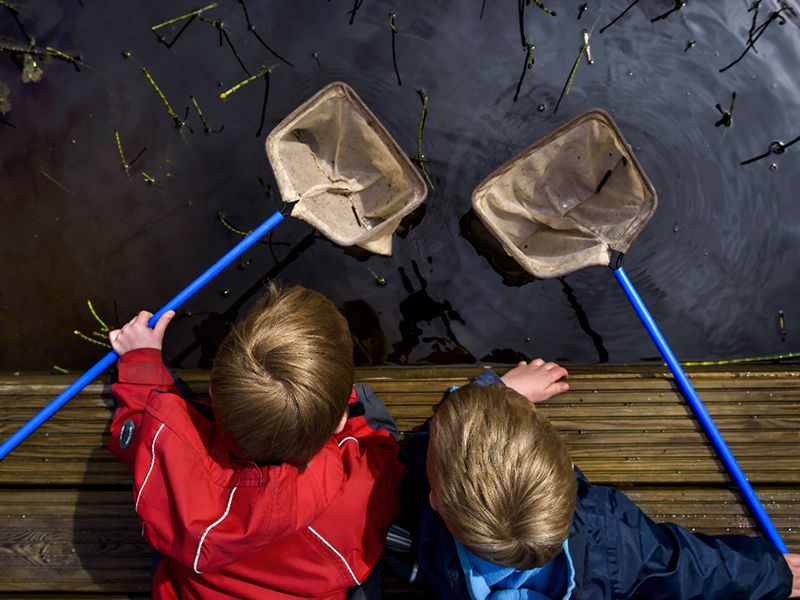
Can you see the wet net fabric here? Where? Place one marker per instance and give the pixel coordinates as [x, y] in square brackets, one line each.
[348, 177]
[568, 200]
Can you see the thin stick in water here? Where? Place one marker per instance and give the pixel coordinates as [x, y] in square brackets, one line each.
[122, 160]
[756, 33]
[173, 115]
[188, 15]
[570, 78]
[356, 5]
[252, 30]
[223, 33]
[264, 104]
[393, 26]
[620, 15]
[539, 3]
[224, 95]
[527, 65]
[679, 4]
[56, 182]
[483, 7]
[200, 114]
[420, 157]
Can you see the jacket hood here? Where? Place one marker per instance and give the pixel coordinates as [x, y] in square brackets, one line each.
[205, 508]
[552, 581]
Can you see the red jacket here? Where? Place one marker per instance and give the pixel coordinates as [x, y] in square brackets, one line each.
[230, 528]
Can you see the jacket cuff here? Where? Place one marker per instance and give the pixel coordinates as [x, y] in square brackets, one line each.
[143, 366]
[488, 377]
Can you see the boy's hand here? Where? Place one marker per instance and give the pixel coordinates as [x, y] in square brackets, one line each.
[793, 560]
[537, 380]
[136, 334]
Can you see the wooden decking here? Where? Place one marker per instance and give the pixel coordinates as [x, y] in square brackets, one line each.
[67, 522]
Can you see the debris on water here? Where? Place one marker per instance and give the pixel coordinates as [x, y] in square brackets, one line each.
[782, 325]
[58, 369]
[244, 263]
[315, 56]
[103, 327]
[420, 157]
[689, 44]
[264, 70]
[589, 58]
[679, 4]
[31, 71]
[541, 108]
[226, 224]
[756, 31]
[200, 114]
[483, 7]
[379, 281]
[148, 179]
[582, 9]
[571, 77]
[5, 98]
[219, 25]
[727, 115]
[179, 123]
[773, 167]
[191, 16]
[225, 293]
[356, 5]
[393, 27]
[620, 15]
[56, 182]
[91, 340]
[538, 3]
[776, 147]
[675, 228]
[264, 104]
[527, 65]
[252, 30]
[527, 339]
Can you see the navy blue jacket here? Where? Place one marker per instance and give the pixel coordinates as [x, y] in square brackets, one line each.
[617, 551]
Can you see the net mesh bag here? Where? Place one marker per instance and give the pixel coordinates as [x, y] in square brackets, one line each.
[346, 175]
[568, 200]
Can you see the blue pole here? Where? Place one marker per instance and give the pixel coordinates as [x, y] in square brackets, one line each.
[105, 362]
[700, 412]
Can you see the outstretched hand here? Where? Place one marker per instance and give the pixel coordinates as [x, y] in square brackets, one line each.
[136, 334]
[537, 380]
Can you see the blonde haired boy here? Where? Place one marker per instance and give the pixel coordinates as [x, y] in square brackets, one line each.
[285, 485]
[507, 516]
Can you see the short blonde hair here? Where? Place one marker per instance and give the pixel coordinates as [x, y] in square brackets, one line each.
[501, 476]
[283, 376]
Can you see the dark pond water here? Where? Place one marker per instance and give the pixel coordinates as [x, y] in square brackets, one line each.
[715, 265]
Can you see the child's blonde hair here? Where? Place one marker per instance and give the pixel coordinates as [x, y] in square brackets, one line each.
[283, 376]
[501, 476]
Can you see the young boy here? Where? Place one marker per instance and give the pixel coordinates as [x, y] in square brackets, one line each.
[506, 514]
[284, 486]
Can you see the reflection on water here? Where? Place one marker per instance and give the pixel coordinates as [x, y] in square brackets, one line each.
[715, 265]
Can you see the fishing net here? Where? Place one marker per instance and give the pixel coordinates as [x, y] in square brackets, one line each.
[568, 200]
[346, 174]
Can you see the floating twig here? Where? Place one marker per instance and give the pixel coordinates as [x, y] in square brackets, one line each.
[776, 147]
[568, 84]
[15, 15]
[420, 157]
[735, 361]
[679, 4]
[91, 340]
[220, 27]
[393, 27]
[124, 164]
[266, 187]
[252, 30]
[757, 31]
[527, 65]
[224, 95]
[264, 104]
[582, 9]
[782, 325]
[315, 56]
[173, 115]
[483, 7]
[73, 59]
[689, 44]
[227, 225]
[356, 5]
[103, 326]
[14, 46]
[521, 20]
[171, 43]
[539, 3]
[589, 58]
[727, 116]
[56, 182]
[200, 114]
[379, 281]
[148, 179]
[620, 15]
[58, 369]
[188, 15]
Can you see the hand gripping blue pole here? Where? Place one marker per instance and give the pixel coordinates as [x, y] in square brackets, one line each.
[700, 412]
[105, 362]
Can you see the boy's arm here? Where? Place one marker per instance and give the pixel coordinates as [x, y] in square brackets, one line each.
[140, 371]
[664, 560]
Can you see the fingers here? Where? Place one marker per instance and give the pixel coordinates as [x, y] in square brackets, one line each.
[161, 326]
[557, 373]
[113, 335]
[558, 387]
[537, 362]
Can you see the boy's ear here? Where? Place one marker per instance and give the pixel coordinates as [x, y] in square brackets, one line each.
[341, 424]
[432, 500]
